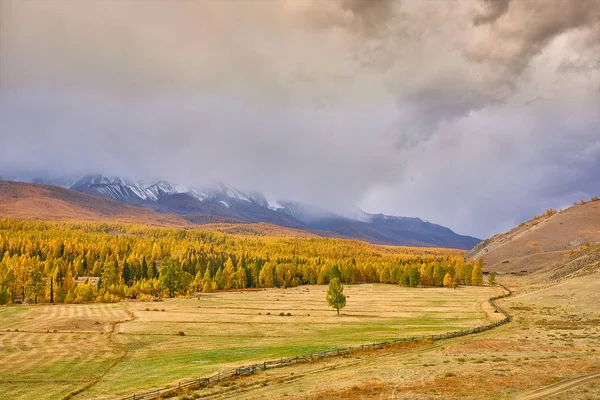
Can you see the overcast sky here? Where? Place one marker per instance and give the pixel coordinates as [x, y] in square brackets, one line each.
[473, 114]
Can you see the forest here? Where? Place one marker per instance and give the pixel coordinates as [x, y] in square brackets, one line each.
[54, 261]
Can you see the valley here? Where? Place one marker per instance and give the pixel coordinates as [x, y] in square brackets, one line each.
[248, 294]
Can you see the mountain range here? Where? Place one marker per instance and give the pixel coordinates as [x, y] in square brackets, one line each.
[224, 203]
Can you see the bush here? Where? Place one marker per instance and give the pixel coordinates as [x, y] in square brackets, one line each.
[281, 314]
[180, 333]
[289, 314]
[145, 297]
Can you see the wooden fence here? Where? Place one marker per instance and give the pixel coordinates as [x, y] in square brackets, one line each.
[198, 383]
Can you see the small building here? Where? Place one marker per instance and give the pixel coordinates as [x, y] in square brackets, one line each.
[90, 280]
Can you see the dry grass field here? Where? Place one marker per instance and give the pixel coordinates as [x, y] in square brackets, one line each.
[108, 350]
[550, 351]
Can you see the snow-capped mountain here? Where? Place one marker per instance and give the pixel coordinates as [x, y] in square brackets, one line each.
[231, 204]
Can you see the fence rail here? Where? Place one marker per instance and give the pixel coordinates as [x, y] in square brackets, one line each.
[281, 362]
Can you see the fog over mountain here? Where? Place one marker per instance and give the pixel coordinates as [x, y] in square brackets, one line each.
[473, 114]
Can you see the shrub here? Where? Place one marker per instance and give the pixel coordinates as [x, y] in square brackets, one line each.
[281, 314]
[289, 314]
[180, 333]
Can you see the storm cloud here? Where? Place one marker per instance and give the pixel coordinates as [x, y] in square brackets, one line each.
[472, 114]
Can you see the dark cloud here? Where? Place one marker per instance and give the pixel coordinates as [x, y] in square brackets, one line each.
[407, 108]
[527, 27]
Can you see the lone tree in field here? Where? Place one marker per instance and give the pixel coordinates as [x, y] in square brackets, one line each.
[335, 295]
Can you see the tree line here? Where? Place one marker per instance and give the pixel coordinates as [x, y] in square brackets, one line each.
[40, 262]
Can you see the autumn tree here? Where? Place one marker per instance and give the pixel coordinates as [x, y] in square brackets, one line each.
[335, 295]
[448, 282]
[110, 275]
[266, 276]
[492, 279]
[477, 273]
[229, 275]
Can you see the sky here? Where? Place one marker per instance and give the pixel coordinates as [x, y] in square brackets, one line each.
[474, 114]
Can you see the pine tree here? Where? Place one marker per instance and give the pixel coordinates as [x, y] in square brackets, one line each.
[36, 284]
[335, 295]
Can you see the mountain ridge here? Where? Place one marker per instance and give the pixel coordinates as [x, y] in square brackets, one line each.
[225, 201]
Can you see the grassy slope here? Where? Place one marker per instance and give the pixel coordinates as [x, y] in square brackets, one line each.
[541, 242]
[221, 330]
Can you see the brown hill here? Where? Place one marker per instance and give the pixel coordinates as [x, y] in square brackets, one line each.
[543, 241]
[46, 202]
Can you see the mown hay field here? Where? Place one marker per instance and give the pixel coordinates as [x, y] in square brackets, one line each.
[112, 350]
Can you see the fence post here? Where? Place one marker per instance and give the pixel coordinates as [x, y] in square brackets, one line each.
[219, 376]
[134, 396]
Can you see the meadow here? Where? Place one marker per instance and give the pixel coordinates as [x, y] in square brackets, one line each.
[106, 351]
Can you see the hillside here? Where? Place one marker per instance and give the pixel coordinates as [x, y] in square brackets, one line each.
[542, 242]
[46, 202]
[222, 203]
[20, 200]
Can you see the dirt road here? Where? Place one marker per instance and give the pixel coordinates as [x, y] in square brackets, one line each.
[559, 387]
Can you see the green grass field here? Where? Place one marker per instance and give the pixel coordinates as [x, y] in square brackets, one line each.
[113, 350]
